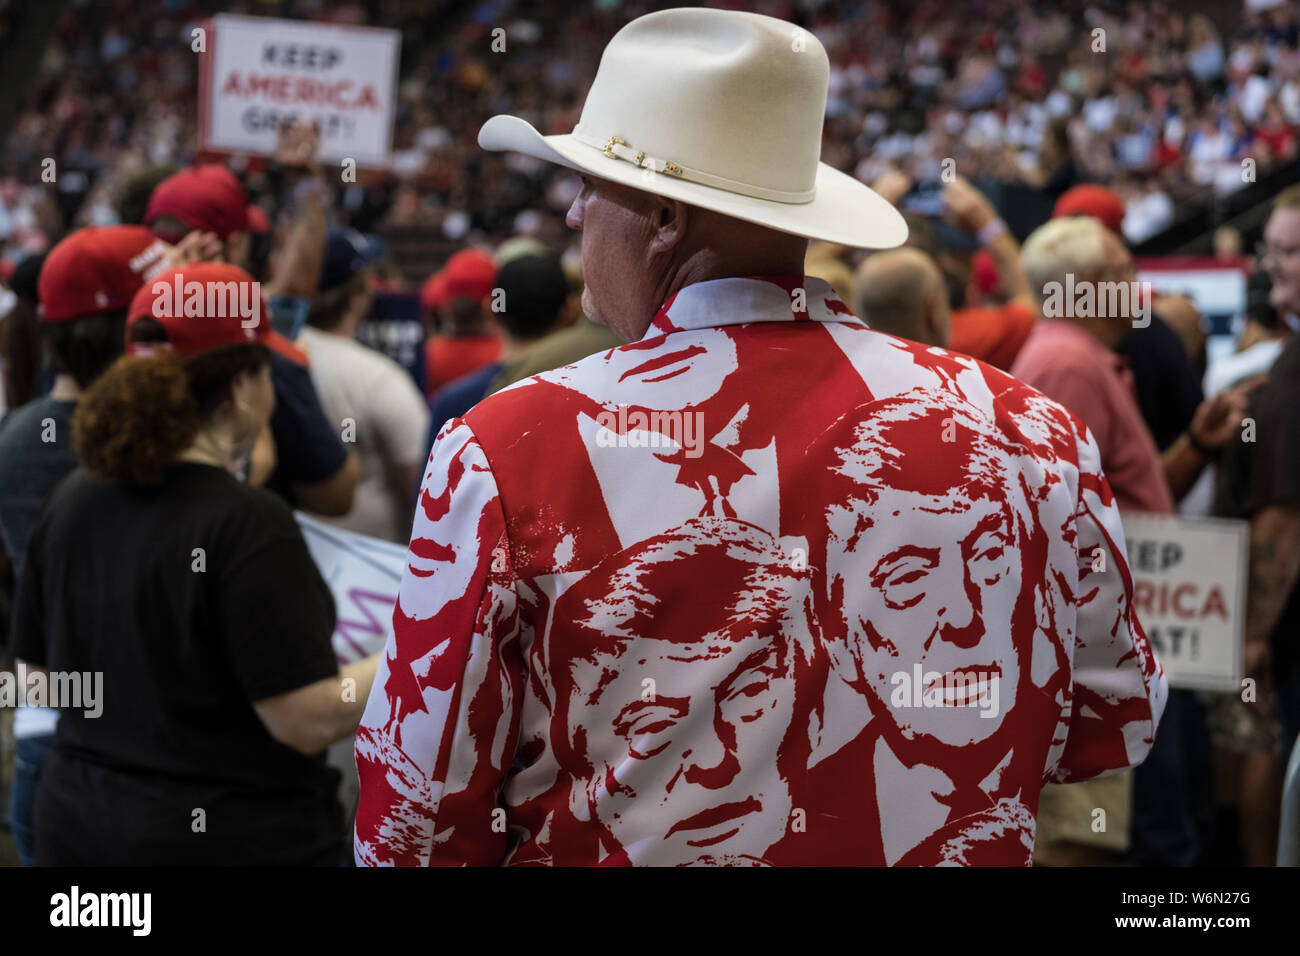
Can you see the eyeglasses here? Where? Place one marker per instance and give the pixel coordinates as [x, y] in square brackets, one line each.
[1267, 252]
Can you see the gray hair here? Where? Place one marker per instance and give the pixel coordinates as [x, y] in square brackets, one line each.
[1072, 245]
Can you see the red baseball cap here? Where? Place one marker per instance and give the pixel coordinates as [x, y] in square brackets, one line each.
[205, 305]
[209, 198]
[432, 293]
[470, 273]
[97, 269]
[1095, 201]
[257, 221]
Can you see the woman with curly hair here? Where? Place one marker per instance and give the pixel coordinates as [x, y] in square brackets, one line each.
[191, 600]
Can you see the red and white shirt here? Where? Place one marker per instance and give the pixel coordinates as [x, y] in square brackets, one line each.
[763, 587]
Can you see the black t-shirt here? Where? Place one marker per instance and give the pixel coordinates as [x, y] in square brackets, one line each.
[307, 446]
[1266, 472]
[1168, 385]
[193, 599]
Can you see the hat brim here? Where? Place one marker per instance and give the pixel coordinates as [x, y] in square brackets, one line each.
[280, 345]
[843, 210]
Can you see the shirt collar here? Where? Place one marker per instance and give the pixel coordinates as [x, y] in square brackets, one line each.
[741, 301]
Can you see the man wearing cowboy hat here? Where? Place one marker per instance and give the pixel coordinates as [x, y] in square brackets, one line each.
[732, 439]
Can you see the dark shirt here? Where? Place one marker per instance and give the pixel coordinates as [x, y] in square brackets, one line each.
[308, 448]
[1168, 385]
[453, 400]
[1254, 475]
[456, 398]
[194, 599]
[36, 453]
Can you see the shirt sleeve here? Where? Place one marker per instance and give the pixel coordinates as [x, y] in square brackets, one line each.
[1082, 390]
[278, 613]
[442, 723]
[1118, 688]
[1275, 457]
[307, 446]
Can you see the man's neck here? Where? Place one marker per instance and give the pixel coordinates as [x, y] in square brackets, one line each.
[347, 327]
[512, 348]
[705, 266]
[65, 388]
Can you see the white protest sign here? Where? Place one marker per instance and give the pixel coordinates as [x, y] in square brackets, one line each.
[363, 574]
[258, 72]
[1189, 592]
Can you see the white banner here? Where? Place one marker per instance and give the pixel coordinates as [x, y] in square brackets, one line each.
[1189, 591]
[258, 72]
[363, 574]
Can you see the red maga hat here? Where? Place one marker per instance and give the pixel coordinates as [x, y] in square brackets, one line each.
[206, 305]
[257, 221]
[470, 274]
[1095, 201]
[208, 198]
[96, 270]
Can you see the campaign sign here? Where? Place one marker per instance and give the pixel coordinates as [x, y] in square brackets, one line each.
[363, 574]
[1189, 592]
[258, 72]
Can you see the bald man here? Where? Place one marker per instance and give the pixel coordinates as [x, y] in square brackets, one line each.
[901, 292]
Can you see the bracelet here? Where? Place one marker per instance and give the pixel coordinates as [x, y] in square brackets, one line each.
[990, 231]
[1200, 449]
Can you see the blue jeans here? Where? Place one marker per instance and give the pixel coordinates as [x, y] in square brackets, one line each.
[30, 754]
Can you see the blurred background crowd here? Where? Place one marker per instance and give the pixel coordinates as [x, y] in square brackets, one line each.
[1160, 101]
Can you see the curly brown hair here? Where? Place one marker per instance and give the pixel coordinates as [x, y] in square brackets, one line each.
[145, 410]
[133, 421]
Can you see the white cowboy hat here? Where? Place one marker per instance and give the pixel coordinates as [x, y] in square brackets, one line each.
[722, 110]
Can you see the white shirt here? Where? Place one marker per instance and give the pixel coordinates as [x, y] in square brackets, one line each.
[381, 415]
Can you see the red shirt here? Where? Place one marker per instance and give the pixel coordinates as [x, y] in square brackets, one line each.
[449, 357]
[1067, 363]
[1279, 139]
[994, 335]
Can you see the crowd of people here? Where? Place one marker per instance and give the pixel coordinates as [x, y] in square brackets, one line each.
[151, 454]
[1162, 104]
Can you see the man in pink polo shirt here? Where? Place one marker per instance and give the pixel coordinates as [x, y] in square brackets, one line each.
[1069, 359]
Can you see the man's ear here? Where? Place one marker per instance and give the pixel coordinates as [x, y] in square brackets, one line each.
[669, 221]
[243, 390]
